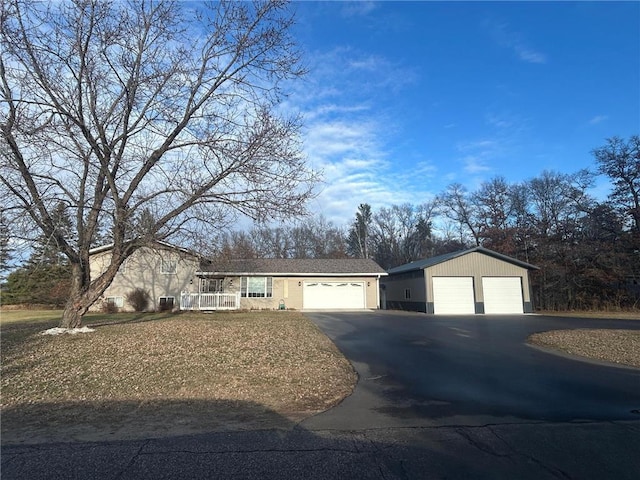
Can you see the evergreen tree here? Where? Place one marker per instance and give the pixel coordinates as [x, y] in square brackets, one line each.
[46, 276]
[359, 236]
[48, 248]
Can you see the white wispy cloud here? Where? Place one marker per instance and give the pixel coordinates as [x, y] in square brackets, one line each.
[515, 41]
[347, 72]
[478, 156]
[485, 146]
[327, 139]
[349, 132]
[475, 164]
[598, 119]
[336, 110]
[358, 167]
[358, 8]
[529, 55]
[369, 63]
[498, 121]
[350, 153]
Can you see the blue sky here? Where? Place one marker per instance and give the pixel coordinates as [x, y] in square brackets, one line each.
[404, 98]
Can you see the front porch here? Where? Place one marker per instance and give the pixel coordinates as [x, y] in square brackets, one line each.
[209, 301]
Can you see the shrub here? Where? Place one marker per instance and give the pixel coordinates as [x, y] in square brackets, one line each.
[108, 307]
[138, 299]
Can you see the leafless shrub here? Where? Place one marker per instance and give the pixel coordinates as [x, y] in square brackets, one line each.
[138, 299]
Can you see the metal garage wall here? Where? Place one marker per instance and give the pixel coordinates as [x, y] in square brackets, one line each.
[479, 265]
[395, 286]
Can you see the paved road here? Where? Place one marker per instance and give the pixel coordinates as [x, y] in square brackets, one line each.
[437, 398]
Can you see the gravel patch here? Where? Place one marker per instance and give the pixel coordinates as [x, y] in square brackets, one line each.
[614, 346]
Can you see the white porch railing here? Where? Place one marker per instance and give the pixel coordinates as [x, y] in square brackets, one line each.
[209, 301]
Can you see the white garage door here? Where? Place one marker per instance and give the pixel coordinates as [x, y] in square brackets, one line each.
[453, 295]
[502, 294]
[333, 295]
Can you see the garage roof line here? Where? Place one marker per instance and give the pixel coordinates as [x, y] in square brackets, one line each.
[429, 262]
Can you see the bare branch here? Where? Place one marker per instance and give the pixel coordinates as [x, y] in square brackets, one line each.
[117, 108]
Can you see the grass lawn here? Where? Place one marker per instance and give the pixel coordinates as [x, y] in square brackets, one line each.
[142, 375]
[625, 315]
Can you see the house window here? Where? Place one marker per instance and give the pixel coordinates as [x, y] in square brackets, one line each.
[166, 303]
[115, 301]
[211, 285]
[169, 266]
[123, 267]
[407, 294]
[256, 287]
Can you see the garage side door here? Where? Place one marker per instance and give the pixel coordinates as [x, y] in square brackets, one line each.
[453, 295]
[333, 295]
[502, 294]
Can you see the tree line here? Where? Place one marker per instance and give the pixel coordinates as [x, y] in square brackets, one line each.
[587, 250]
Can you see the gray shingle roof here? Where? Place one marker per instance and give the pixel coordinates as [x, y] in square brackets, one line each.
[294, 266]
[428, 262]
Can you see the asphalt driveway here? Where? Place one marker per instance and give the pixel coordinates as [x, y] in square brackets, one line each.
[472, 370]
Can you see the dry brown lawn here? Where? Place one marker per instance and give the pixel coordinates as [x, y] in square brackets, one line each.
[145, 375]
[621, 315]
[621, 347]
[614, 346]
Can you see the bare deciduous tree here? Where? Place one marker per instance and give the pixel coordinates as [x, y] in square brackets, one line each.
[317, 238]
[145, 110]
[494, 200]
[620, 161]
[456, 205]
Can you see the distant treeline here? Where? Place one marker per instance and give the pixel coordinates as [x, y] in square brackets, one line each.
[588, 250]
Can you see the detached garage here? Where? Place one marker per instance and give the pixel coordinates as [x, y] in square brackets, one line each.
[477, 280]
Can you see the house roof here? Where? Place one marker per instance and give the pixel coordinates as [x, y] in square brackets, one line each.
[294, 267]
[429, 262]
[158, 243]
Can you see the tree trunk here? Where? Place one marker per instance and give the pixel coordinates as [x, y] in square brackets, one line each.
[82, 295]
[72, 315]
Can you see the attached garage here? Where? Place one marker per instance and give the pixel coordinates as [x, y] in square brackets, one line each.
[453, 295]
[295, 283]
[333, 295]
[477, 280]
[502, 294]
